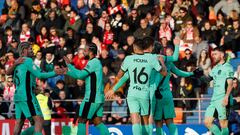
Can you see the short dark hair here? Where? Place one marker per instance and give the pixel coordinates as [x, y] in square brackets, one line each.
[148, 41]
[139, 43]
[220, 49]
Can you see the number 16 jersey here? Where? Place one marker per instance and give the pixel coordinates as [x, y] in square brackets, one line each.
[139, 68]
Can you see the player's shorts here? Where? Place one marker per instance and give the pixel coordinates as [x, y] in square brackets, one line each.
[90, 110]
[27, 109]
[217, 110]
[138, 105]
[164, 108]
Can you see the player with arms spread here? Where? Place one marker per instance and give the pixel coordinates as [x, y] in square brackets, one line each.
[92, 106]
[26, 104]
[138, 68]
[222, 75]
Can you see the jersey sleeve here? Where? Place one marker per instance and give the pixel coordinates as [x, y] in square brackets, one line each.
[179, 72]
[77, 74]
[35, 70]
[156, 64]
[229, 72]
[174, 57]
[123, 79]
[125, 64]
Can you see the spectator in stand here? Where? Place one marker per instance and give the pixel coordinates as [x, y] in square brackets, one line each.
[79, 60]
[9, 60]
[3, 108]
[59, 111]
[8, 36]
[236, 88]
[134, 20]
[13, 47]
[204, 62]
[226, 6]
[2, 83]
[90, 33]
[38, 59]
[105, 59]
[208, 33]
[128, 48]
[72, 39]
[9, 89]
[65, 104]
[164, 46]
[40, 39]
[237, 73]
[54, 36]
[48, 63]
[199, 46]
[3, 49]
[61, 49]
[124, 33]
[73, 22]
[53, 20]
[164, 31]
[143, 31]
[119, 109]
[13, 21]
[35, 23]
[144, 8]
[108, 35]
[113, 52]
[116, 64]
[79, 90]
[82, 9]
[114, 7]
[26, 33]
[103, 19]
[60, 86]
[182, 19]
[189, 33]
[188, 59]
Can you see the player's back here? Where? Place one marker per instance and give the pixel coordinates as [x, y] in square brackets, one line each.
[94, 82]
[24, 81]
[139, 68]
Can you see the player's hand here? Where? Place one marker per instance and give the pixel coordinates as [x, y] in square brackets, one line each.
[225, 101]
[109, 94]
[238, 99]
[20, 60]
[67, 61]
[176, 41]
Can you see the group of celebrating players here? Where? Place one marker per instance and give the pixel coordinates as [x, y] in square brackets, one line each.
[149, 96]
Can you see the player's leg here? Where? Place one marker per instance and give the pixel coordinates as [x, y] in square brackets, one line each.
[83, 114]
[159, 130]
[38, 124]
[134, 108]
[144, 112]
[36, 114]
[19, 119]
[158, 117]
[171, 126]
[145, 124]
[97, 110]
[209, 118]
[152, 110]
[222, 116]
[30, 130]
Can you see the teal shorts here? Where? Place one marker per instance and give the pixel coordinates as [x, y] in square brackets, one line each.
[138, 105]
[217, 110]
[90, 110]
[27, 109]
[164, 108]
[152, 102]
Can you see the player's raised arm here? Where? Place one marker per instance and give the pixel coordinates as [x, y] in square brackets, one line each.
[163, 70]
[10, 70]
[75, 73]
[175, 55]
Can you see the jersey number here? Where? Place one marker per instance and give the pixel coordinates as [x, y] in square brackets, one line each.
[137, 76]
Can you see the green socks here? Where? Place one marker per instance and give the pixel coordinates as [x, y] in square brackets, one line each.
[150, 126]
[215, 130]
[28, 131]
[145, 129]
[81, 129]
[159, 131]
[136, 129]
[103, 129]
[38, 133]
[173, 129]
[225, 131]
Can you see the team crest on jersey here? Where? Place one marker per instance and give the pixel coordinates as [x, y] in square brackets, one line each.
[219, 72]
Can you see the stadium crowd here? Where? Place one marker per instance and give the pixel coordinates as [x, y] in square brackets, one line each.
[58, 28]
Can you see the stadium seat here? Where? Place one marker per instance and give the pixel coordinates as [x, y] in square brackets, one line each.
[179, 115]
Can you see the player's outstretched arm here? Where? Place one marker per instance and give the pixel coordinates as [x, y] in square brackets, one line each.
[179, 72]
[10, 70]
[229, 90]
[119, 84]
